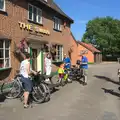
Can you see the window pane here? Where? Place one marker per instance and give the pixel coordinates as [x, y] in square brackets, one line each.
[30, 12]
[39, 16]
[2, 4]
[59, 55]
[34, 14]
[1, 44]
[61, 49]
[39, 19]
[1, 54]
[56, 24]
[7, 63]
[7, 44]
[6, 53]
[1, 63]
[59, 24]
[56, 57]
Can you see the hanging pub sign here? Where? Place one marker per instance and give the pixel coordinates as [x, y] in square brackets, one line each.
[32, 28]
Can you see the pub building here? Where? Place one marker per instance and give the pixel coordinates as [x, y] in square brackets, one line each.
[33, 26]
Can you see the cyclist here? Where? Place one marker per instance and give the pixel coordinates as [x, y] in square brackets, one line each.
[61, 71]
[25, 70]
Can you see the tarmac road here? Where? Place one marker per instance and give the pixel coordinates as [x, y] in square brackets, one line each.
[99, 100]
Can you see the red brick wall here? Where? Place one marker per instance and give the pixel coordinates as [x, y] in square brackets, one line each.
[76, 49]
[89, 55]
[9, 26]
[74, 53]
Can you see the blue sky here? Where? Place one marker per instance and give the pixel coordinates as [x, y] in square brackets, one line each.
[81, 11]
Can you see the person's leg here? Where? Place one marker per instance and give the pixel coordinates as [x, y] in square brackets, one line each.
[28, 89]
[48, 72]
[85, 76]
[26, 96]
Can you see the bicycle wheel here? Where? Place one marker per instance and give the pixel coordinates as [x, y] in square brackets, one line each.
[119, 80]
[47, 98]
[62, 82]
[39, 93]
[11, 90]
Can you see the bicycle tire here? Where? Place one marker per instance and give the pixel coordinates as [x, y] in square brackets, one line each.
[62, 82]
[48, 93]
[40, 91]
[14, 84]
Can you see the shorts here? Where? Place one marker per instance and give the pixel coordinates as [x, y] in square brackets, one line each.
[61, 75]
[85, 72]
[27, 84]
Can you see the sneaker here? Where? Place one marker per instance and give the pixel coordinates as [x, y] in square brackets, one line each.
[69, 80]
[47, 80]
[26, 106]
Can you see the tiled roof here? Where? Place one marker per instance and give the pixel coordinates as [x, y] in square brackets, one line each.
[89, 47]
[56, 8]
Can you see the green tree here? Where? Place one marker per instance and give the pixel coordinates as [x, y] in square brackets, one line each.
[104, 32]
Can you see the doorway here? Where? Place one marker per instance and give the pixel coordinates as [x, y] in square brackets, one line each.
[34, 59]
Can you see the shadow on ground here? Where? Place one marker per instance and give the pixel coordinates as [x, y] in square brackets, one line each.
[79, 81]
[110, 91]
[54, 90]
[119, 88]
[2, 98]
[107, 79]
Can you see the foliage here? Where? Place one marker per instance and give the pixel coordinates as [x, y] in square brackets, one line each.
[104, 33]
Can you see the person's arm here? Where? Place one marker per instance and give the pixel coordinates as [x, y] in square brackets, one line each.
[51, 62]
[32, 71]
[45, 62]
[28, 68]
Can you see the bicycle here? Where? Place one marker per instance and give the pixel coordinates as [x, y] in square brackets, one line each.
[16, 89]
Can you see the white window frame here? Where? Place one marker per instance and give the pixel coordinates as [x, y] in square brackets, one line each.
[5, 58]
[60, 55]
[3, 6]
[57, 26]
[38, 9]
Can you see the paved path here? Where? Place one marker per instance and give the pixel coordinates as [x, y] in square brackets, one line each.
[74, 101]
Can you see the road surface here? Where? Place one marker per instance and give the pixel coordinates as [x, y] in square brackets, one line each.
[99, 100]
